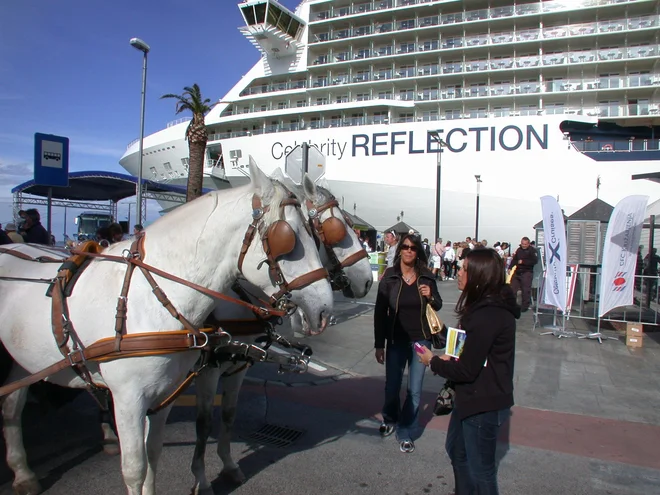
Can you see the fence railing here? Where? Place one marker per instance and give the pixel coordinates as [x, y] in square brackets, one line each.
[584, 304]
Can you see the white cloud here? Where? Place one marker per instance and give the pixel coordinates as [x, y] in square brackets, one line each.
[12, 173]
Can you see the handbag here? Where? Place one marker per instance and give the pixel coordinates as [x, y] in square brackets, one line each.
[436, 326]
[444, 403]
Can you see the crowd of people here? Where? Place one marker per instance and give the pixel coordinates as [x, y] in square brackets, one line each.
[30, 230]
[482, 379]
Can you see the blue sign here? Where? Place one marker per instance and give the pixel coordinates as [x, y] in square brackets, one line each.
[51, 160]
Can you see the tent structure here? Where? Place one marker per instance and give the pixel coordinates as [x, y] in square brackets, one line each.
[90, 189]
[401, 228]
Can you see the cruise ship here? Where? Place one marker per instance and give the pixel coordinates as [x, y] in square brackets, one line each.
[506, 101]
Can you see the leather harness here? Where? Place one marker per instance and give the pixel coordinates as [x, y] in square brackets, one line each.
[331, 232]
[278, 239]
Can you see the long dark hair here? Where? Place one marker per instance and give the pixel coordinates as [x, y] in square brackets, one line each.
[421, 261]
[486, 277]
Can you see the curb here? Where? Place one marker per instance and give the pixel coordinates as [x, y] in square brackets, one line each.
[314, 383]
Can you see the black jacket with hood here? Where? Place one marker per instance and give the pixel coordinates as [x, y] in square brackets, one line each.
[387, 303]
[490, 337]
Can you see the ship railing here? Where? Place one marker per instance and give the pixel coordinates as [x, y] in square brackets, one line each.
[616, 146]
[583, 29]
[179, 121]
[363, 8]
[132, 143]
[475, 91]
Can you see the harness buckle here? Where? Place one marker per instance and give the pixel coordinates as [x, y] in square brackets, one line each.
[195, 344]
[72, 353]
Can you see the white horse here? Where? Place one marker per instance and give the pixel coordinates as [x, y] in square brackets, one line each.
[200, 242]
[345, 246]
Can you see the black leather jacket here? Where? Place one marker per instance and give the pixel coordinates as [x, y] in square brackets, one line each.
[388, 299]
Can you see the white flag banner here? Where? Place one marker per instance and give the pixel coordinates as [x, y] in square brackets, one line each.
[617, 279]
[554, 233]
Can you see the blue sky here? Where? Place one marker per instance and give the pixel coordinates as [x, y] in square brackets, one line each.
[66, 68]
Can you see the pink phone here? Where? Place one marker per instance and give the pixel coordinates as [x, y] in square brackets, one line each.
[419, 348]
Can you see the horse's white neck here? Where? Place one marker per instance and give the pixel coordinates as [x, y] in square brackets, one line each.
[203, 248]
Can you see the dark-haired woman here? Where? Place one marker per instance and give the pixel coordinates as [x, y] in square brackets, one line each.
[483, 375]
[399, 321]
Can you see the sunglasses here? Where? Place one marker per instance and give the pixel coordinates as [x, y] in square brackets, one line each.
[406, 247]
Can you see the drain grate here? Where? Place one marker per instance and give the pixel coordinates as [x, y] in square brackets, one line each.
[275, 436]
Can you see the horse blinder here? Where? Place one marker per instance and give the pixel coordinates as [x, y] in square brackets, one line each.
[280, 239]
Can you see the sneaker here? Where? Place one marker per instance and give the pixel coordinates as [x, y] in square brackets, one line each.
[407, 447]
[386, 430]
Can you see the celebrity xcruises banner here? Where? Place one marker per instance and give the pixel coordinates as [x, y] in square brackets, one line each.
[554, 233]
[617, 279]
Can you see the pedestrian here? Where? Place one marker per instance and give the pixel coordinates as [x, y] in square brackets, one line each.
[405, 290]
[524, 260]
[391, 241]
[35, 233]
[138, 229]
[483, 376]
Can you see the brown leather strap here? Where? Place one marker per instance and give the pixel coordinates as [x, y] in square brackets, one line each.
[354, 258]
[132, 345]
[301, 282]
[173, 396]
[27, 257]
[208, 292]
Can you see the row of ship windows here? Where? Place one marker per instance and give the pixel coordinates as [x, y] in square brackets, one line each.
[468, 16]
[610, 26]
[603, 108]
[457, 67]
[609, 81]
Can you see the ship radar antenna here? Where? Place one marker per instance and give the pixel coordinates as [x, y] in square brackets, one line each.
[597, 186]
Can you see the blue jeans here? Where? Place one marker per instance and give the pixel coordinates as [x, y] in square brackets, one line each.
[471, 445]
[406, 418]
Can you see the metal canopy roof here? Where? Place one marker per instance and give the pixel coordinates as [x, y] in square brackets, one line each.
[98, 186]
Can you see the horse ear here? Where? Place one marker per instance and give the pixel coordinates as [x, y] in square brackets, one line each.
[278, 175]
[261, 184]
[309, 188]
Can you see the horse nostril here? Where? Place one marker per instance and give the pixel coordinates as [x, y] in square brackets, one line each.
[368, 285]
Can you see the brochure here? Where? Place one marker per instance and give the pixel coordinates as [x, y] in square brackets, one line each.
[455, 342]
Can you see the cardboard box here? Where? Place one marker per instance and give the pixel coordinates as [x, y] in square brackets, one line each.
[634, 341]
[634, 329]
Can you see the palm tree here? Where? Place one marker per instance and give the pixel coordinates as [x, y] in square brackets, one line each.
[196, 134]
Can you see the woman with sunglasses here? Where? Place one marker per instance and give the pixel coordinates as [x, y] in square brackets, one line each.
[483, 375]
[399, 321]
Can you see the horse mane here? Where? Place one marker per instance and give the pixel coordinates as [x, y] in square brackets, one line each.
[279, 193]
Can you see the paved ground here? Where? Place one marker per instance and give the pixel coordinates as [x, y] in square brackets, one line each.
[586, 422]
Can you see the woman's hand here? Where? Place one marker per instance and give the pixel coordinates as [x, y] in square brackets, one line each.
[425, 358]
[380, 356]
[425, 290]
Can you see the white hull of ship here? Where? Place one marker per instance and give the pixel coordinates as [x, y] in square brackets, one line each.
[379, 171]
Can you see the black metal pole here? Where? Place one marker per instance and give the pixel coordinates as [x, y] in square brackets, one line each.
[305, 158]
[476, 221]
[438, 190]
[49, 211]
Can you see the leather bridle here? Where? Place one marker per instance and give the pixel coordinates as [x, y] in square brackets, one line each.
[331, 232]
[278, 239]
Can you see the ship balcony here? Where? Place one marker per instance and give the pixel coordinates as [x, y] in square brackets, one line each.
[378, 30]
[324, 13]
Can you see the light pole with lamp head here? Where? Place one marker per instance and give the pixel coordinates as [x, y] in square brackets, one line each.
[435, 136]
[138, 44]
[476, 222]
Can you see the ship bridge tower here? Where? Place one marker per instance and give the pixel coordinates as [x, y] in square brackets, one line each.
[272, 28]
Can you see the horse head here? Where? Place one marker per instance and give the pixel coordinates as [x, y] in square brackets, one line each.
[341, 251]
[279, 254]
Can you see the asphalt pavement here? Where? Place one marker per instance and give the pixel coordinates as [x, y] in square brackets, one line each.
[586, 422]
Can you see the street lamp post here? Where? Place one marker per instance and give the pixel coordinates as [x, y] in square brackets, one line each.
[435, 136]
[138, 44]
[476, 222]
